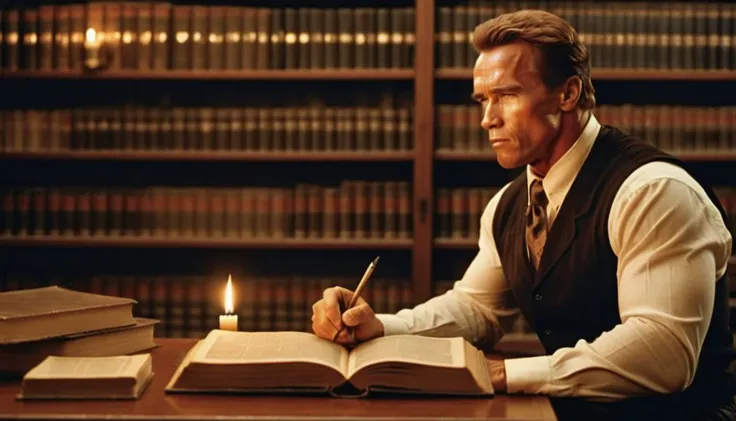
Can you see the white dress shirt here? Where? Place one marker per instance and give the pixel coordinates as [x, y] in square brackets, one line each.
[671, 244]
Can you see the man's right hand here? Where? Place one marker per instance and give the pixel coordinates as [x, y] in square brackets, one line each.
[360, 322]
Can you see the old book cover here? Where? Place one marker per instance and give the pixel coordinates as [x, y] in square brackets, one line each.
[120, 377]
[299, 362]
[44, 313]
[18, 359]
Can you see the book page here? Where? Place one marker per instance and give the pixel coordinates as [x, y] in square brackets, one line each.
[444, 352]
[225, 347]
[89, 367]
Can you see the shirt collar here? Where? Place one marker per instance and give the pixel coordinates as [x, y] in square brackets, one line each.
[561, 175]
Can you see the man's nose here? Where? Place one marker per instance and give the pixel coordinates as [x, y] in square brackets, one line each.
[490, 120]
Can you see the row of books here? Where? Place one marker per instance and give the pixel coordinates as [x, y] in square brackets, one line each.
[458, 210]
[641, 35]
[287, 129]
[672, 127]
[161, 36]
[675, 128]
[189, 305]
[353, 209]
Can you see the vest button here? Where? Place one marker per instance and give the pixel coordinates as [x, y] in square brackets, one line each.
[547, 332]
[538, 297]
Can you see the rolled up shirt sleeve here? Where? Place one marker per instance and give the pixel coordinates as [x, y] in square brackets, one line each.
[479, 307]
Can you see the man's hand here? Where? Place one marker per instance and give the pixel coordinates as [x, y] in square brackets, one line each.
[360, 322]
[497, 370]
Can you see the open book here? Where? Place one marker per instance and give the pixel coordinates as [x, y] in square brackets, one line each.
[119, 377]
[275, 362]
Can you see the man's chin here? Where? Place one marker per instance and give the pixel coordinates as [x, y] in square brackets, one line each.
[508, 162]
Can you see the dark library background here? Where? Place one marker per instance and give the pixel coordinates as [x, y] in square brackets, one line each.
[151, 149]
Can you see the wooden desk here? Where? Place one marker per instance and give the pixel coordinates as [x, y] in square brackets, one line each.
[154, 405]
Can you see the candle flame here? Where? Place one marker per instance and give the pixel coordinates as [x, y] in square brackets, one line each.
[229, 295]
[90, 35]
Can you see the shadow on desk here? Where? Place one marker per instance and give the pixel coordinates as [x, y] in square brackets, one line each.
[155, 405]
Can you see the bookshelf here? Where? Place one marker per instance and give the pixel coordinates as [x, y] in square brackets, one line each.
[208, 75]
[447, 165]
[266, 243]
[236, 156]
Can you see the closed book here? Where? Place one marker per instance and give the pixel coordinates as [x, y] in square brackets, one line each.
[18, 359]
[44, 313]
[120, 377]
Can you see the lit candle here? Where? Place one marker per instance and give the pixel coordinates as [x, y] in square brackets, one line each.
[229, 321]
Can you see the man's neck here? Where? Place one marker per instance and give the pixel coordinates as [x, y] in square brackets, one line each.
[572, 127]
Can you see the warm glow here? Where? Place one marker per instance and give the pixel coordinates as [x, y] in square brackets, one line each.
[91, 35]
[229, 296]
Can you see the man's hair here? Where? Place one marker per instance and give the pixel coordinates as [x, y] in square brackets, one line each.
[561, 53]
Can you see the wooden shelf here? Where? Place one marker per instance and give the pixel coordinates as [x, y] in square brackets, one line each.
[464, 156]
[281, 156]
[206, 243]
[455, 243]
[317, 74]
[621, 74]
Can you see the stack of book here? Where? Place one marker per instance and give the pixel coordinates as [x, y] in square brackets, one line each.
[55, 321]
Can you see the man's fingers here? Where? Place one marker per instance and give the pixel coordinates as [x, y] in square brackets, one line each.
[323, 329]
[357, 315]
[321, 325]
[346, 337]
[331, 299]
[330, 306]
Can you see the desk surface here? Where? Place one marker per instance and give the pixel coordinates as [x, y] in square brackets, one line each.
[154, 405]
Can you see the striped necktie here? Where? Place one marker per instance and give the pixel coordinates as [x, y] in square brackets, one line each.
[536, 222]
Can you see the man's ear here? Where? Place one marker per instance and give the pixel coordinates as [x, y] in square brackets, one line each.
[570, 93]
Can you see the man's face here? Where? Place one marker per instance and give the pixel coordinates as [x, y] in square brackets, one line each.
[521, 115]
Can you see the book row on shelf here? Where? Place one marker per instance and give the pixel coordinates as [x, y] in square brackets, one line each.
[619, 35]
[672, 127]
[314, 128]
[355, 209]
[458, 210]
[675, 128]
[189, 305]
[161, 36]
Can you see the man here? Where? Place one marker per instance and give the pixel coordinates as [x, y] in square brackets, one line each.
[629, 296]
